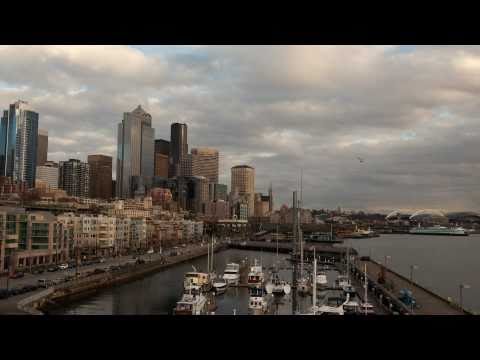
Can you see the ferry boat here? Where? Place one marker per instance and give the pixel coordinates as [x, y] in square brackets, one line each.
[192, 304]
[232, 274]
[257, 304]
[255, 276]
[439, 230]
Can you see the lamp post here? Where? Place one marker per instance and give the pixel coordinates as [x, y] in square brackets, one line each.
[412, 267]
[461, 287]
[386, 258]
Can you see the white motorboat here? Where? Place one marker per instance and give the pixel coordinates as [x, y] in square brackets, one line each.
[277, 286]
[232, 274]
[255, 276]
[257, 303]
[192, 304]
[322, 280]
[303, 286]
[220, 287]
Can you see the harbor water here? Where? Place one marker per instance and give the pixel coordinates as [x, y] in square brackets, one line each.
[158, 293]
[444, 262]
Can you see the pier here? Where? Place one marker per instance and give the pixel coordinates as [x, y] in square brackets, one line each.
[428, 303]
[286, 248]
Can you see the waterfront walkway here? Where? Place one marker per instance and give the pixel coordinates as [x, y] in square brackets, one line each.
[429, 302]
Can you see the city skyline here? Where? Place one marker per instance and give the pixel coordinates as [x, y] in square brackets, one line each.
[316, 108]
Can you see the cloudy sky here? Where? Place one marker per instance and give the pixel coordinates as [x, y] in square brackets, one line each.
[410, 111]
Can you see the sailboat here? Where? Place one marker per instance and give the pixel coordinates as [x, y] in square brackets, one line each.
[303, 283]
[365, 307]
[346, 285]
[275, 285]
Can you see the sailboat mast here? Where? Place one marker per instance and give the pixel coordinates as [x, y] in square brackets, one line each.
[314, 292]
[208, 256]
[366, 286]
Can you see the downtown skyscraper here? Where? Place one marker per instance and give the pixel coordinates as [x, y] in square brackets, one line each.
[18, 143]
[135, 153]
[178, 149]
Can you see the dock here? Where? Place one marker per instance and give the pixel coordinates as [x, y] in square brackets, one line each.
[429, 303]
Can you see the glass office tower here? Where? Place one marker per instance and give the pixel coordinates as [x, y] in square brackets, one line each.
[135, 151]
[18, 143]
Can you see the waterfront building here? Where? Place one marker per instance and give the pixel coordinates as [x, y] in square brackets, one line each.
[135, 151]
[205, 162]
[162, 153]
[18, 143]
[130, 208]
[30, 239]
[100, 176]
[192, 230]
[47, 176]
[243, 184]
[42, 147]
[166, 233]
[74, 177]
[178, 148]
[10, 186]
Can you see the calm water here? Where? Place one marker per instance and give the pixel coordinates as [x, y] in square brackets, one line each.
[443, 262]
[158, 293]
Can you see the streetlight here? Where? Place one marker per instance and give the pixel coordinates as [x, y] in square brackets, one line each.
[387, 257]
[461, 287]
[412, 267]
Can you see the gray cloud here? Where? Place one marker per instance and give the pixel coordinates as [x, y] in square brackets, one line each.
[411, 114]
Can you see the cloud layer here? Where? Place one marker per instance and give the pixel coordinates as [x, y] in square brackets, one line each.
[411, 112]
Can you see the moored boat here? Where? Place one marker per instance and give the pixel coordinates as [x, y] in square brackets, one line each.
[255, 276]
[191, 304]
[439, 230]
[232, 274]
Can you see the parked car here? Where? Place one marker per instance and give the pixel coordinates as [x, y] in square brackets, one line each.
[28, 288]
[150, 251]
[140, 261]
[365, 258]
[52, 269]
[98, 271]
[102, 260]
[4, 293]
[63, 266]
[40, 270]
[17, 275]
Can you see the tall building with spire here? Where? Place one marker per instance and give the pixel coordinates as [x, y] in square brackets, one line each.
[18, 143]
[135, 152]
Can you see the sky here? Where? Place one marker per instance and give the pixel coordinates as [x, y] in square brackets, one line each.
[411, 112]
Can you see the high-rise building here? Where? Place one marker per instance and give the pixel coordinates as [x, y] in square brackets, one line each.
[100, 176]
[205, 163]
[270, 199]
[74, 177]
[243, 185]
[42, 147]
[47, 174]
[178, 148]
[18, 143]
[217, 192]
[162, 152]
[135, 151]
